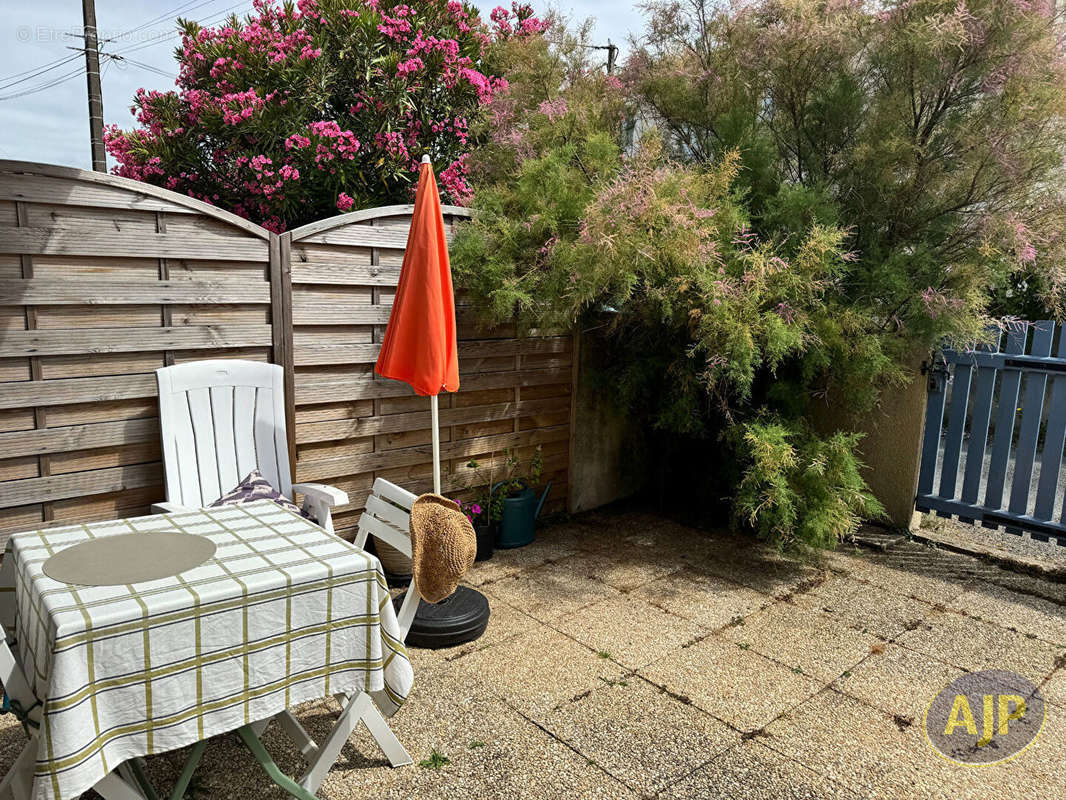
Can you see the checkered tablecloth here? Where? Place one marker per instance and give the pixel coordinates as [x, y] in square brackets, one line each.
[283, 613]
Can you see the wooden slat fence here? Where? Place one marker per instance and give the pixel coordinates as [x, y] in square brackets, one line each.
[103, 280]
[352, 426]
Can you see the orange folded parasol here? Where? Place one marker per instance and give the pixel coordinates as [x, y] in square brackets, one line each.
[420, 342]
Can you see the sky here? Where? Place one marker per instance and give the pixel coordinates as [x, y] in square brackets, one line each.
[44, 115]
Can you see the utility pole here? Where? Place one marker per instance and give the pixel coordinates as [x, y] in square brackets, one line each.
[612, 56]
[92, 78]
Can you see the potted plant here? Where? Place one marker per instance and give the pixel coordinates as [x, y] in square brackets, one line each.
[518, 504]
[483, 511]
[484, 526]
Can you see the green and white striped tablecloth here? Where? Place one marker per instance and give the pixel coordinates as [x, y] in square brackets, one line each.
[283, 613]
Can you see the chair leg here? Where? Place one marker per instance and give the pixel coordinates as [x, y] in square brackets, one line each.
[361, 708]
[295, 731]
[381, 732]
[331, 748]
[112, 787]
[273, 771]
[388, 742]
[19, 779]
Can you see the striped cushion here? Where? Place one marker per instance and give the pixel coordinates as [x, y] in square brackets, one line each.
[256, 487]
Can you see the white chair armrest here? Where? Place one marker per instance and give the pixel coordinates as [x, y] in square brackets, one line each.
[170, 508]
[330, 495]
[319, 499]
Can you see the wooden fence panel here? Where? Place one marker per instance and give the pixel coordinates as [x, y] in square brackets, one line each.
[103, 280]
[352, 426]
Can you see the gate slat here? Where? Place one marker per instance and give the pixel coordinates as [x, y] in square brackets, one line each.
[1004, 433]
[934, 419]
[960, 400]
[1032, 412]
[1051, 458]
[982, 416]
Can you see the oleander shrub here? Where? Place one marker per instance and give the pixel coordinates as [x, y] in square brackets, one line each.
[301, 111]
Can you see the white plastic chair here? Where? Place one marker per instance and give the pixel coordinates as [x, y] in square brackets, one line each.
[19, 698]
[220, 419]
[387, 517]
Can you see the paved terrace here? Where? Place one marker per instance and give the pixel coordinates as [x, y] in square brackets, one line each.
[631, 657]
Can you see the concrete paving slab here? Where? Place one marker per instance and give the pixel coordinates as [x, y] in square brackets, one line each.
[709, 601]
[628, 630]
[551, 591]
[899, 681]
[752, 771]
[1011, 609]
[641, 735]
[739, 687]
[537, 671]
[626, 567]
[811, 641]
[975, 645]
[866, 607]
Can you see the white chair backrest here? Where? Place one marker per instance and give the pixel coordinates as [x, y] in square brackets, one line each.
[220, 419]
[388, 517]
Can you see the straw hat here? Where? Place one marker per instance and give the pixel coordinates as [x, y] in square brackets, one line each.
[443, 546]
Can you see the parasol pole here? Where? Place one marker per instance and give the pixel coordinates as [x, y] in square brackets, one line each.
[434, 415]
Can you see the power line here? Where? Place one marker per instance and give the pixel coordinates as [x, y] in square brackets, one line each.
[211, 19]
[14, 80]
[54, 82]
[38, 70]
[139, 64]
[168, 14]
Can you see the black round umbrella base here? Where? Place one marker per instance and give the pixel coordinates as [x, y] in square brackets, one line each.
[455, 620]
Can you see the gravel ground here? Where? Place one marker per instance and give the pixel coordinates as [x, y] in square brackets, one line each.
[1050, 552]
[1022, 544]
[631, 657]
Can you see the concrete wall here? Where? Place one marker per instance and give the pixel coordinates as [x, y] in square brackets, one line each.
[607, 456]
[602, 467]
[892, 446]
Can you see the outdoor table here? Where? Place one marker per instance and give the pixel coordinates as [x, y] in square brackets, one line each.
[283, 613]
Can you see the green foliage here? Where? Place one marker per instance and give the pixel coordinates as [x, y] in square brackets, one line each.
[436, 761]
[799, 487]
[820, 191]
[709, 319]
[493, 489]
[932, 129]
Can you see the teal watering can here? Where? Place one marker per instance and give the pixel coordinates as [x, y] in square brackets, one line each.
[519, 523]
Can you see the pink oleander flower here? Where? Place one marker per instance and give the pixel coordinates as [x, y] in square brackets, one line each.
[345, 202]
[410, 65]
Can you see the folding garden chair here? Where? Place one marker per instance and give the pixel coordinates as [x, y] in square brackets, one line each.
[123, 783]
[387, 518]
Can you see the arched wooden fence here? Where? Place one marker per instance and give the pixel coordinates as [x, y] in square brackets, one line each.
[103, 280]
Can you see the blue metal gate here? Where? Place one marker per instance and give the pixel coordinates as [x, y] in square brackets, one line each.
[992, 415]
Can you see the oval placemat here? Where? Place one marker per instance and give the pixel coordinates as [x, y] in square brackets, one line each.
[129, 558]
